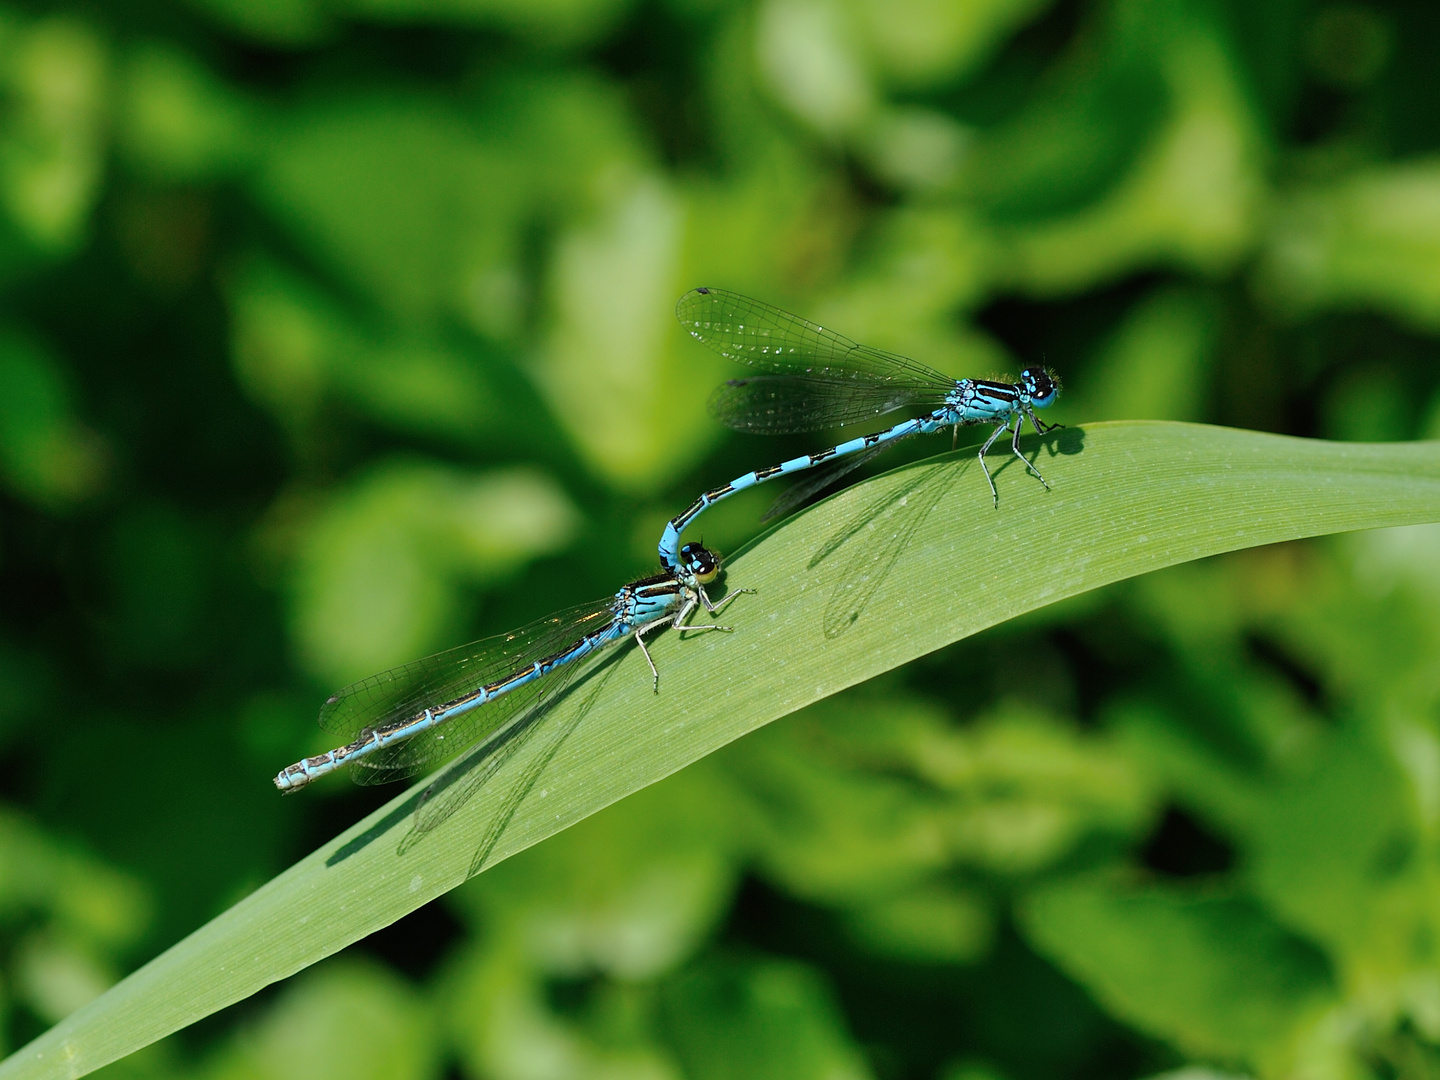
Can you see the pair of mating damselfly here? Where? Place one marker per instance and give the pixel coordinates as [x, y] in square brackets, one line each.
[806, 378]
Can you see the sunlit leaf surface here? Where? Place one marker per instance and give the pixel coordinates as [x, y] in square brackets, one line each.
[838, 601]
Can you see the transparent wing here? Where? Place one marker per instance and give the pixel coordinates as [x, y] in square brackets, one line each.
[787, 404]
[881, 533]
[778, 343]
[405, 692]
[530, 777]
[434, 745]
[454, 789]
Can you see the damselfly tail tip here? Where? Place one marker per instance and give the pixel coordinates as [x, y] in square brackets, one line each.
[291, 779]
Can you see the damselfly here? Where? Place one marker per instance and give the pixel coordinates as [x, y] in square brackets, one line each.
[452, 791]
[402, 720]
[809, 378]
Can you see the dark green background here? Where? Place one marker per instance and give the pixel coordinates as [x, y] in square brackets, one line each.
[334, 332]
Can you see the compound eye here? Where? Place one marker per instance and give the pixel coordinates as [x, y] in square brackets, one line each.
[1040, 386]
[701, 562]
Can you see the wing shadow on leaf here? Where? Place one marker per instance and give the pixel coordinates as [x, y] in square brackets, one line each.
[454, 788]
[430, 807]
[881, 532]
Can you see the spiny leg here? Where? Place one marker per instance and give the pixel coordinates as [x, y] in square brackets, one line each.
[715, 609]
[640, 640]
[1015, 445]
[994, 495]
[679, 624]
[1042, 428]
[691, 603]
[707, 626]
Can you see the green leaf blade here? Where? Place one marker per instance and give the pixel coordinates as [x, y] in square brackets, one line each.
[918, 557]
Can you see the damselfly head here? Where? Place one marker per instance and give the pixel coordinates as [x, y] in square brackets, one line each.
[1041, 385]
[701, 562]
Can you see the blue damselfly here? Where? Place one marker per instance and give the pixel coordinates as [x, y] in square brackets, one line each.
[405, 719]
[809, 378]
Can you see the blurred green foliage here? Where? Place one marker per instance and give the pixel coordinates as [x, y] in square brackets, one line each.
[335, 332]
